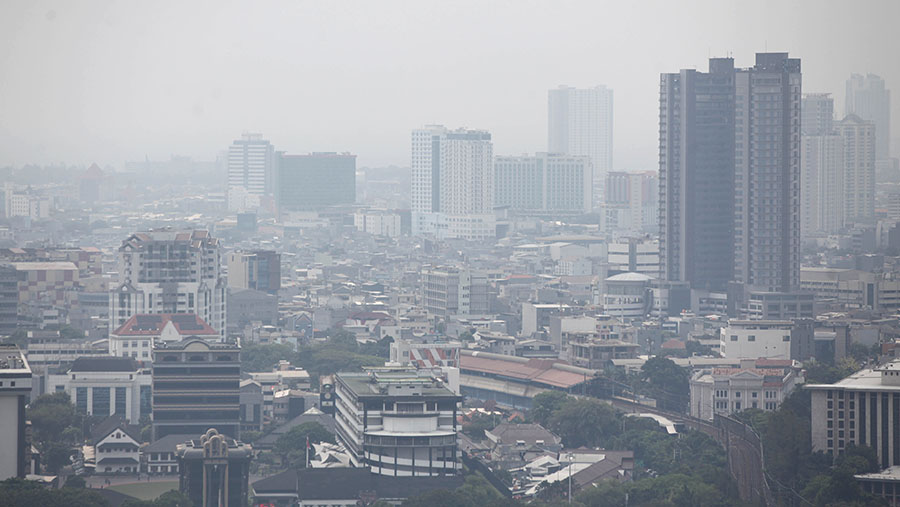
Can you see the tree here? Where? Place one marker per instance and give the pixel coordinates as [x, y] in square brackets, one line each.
[344, 340]
[291, 446]
[51, 414]
[669, 383]
[545, 404]
[75, 481]
[55, 456]
[264, 357]
[15, 492]
[584, 422]
[171, 498]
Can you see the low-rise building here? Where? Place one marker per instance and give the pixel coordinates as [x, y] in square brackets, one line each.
[138, 336]
[104, 386]
[762, 384]
[513, 445]
[398, 422]
[159, 457]
[116, 445]
[751, 339]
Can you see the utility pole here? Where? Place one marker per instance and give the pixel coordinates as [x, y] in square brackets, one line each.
[571, 466]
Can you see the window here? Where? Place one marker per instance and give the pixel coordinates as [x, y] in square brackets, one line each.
[734, 337]
[751, 338]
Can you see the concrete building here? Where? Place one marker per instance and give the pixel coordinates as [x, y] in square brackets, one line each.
[379, 223]
[455, 291]
[196, 386]
[858, 410]
[317, 180]
[758, 383]
[247, 305]
[626, 295]
[52, 283]
[816, 114]
[452, 183]
[867, 97]
[116, 445]
[858, 197]
[543, 184]
[257, 270]
[632, 202]
[214, 470]
[512, 445]
[634, 255]
[822, 181]
[251, 170]
[15, 390]
[104, 386]
[536, 316]
[138, 336]
[168, 271]
[752, 339]
[580, 122]
[398, 422]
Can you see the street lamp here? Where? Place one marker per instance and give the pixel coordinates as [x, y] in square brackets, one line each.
[571, 458]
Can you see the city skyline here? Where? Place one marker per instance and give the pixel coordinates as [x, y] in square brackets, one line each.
[100, 108]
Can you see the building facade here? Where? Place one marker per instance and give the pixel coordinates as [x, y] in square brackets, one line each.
[214, 470]
[137, 337]
[752, 339]
[822, 181]
[168, 271]
[251, 170]
[761, 384]
[104, 386]
[455, 291]
[868, 98]
[15, 390]
[397, 422]
[258, 270]
[196, 386]
[859, 410]
[316, 180]
[580, 122]
[452, 183]
[543, 183]
[858, 197]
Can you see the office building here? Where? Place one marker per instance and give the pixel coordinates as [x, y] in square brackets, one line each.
[859, 410]
[452, 183]
[580, 122]
[399, 422]
[169, 271]
[103, 386]
[546, 183]
[251, 171]
[196, 386]
[752, 339]
[860, 142]
[317, 180]
[697, 175]
[15, 390]
[257, 270]
[453, 291]
[214, 470]
[137, 337]
[758, 383]
[868, 98]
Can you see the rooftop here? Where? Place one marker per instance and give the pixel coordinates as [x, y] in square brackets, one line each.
[12, 360]
[551, 372]
[378, 383]
[869, 379]
[103, 363]
[152, 324]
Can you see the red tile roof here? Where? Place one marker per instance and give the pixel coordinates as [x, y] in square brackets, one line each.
[542, 371]
[152, 324]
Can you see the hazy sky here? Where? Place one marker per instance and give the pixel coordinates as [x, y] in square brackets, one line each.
[84, 81]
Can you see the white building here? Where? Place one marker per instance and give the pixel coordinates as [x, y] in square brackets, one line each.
[116, 449]
[858, 410]
[251, 171]
[137, 337]
[859, 168]
[580, 122]
[637, 255]
[103, 386]
[169, 271]
[822, 181]
[632, 202]
[625, 295]
[762, 383]
[546, 183]
[15, 389]
[378, 222]
[452, 183]
[752, 339]
[397, 422]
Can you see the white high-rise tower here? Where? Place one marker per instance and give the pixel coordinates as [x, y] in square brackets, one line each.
[251, 171]
[580, 122]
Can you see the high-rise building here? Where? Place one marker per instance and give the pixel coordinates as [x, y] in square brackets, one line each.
[580, 122]
[257, 270]
[453, 291]
[316, 180]
[816, 114]
[730, 175]
[546, 183]
[867, 98]
[632, 202]
[169, 271]
[452, 183]
[196, 386]
[767, 169]
[822, 184]
[400, 423]
[15, 390]
[697, 175]
[860, 143]
[251, 169]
